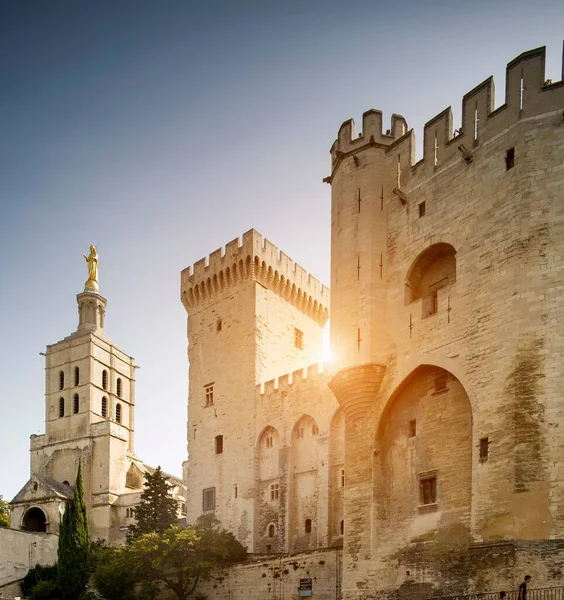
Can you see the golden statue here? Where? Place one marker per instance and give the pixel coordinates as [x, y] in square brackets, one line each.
[92, 262]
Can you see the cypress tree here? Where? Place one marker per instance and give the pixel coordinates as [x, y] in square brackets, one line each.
[157, 509]
[73, 552]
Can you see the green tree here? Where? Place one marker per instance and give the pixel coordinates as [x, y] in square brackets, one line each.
[157, 508]
[4, 513]
[116, 575]
[73, 552]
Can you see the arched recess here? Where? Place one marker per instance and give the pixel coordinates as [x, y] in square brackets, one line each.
[337, 474]
[423, 464]
[34, 519]
[271, 490]
[304, 485]
[433, 270]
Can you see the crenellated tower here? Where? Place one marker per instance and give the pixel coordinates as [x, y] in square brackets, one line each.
[253, 314]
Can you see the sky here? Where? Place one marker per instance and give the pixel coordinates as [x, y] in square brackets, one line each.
[161, 130]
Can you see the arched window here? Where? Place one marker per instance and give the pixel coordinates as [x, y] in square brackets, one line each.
[75, 404]
[61, 407]
[118, 387]
[61, 380]
[34, 520]
[76, 376]
[307, 527]
[271, 530]
[118, 413]
[104, 407]
[105, 379]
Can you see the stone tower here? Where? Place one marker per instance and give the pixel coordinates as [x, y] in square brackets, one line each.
[252, 315]
[89, 416]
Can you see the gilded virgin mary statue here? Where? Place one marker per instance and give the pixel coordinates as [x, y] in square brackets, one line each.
[92, 262]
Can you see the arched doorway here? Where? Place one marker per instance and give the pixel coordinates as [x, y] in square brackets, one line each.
[34, 520]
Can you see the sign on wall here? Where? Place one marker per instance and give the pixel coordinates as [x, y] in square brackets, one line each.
[306, 587]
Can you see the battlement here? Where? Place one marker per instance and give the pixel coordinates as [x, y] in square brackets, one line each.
[527, 95]
[255, 258]
[283, 383]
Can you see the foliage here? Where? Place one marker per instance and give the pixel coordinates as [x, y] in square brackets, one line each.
[4, 513]
[157, 509]
[73, 552]
[37, 574]
[45, 590]
[176, 559]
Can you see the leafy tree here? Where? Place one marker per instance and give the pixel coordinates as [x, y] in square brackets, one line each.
[116, 576]
[73, 552]
[4, 513]
[37, 574]
[157, 509]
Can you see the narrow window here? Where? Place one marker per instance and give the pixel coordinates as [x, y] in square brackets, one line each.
[118, 387]
[194, 433]
[61, 380]
[484, 443]
[428, 490]
[476, 121]
[298, 339]
[76, 376]
[105, 379]
[235, 491]
[219, 444]
[104, 407]
[183, 508]
[268, 548]
[268, 442]
[209, 394]
[300, 433]
[436, 149]
[274, 491]
[433, 303]
[118, 413]
[208, 499]
[510, 159]
[314, 429]
[218, 325]
[75, 404]
[412, 428]
[61, 407]
[440, 383]
[421, 209]
[307, 527]
[342, 527]
[342, 478]
[271, 530]
[521, 92]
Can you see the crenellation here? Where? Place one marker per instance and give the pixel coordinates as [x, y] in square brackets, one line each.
[282, 382]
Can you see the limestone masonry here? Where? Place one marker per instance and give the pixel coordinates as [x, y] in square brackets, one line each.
[432, 451]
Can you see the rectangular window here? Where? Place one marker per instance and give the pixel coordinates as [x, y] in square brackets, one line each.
[422, 209]
[510, 159]
[343, 478]
[209, 394]
[428, 490]
[274, 491]
[440, 383]
[208, 499]
[235, 491]
[484, 443]
[412, 428]
[219, 444]
[298, 339]
[183, 508]
[434, 303]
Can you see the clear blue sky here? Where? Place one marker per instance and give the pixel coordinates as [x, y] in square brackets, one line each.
[160, 130]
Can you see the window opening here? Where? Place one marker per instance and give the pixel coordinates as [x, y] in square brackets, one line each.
[314, 429]
[218, 444]
[208, 499]
[307, 527]
[183, 508]
[358, 339]
[476, 121]
[209, 394]
[300, 433]
[218, 325]
[118, 387]
[76, 376]
[75, 404]
[104, 407]
[61, 380]
[66, 482]
[268, 548]
[268, 441]
[235, 491]
[510, 159]
[521, 91]
[440, 383]
[412, 428]
[342, 527]
[298, 339]
[428, 490]
[484, 443]
[436, 149]
[118, 413]
[343, 478]
[61, 407]
[433, 303]
[271, 530]
[421, 209]
[194, 437]
[105, 379]
[274, 491]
